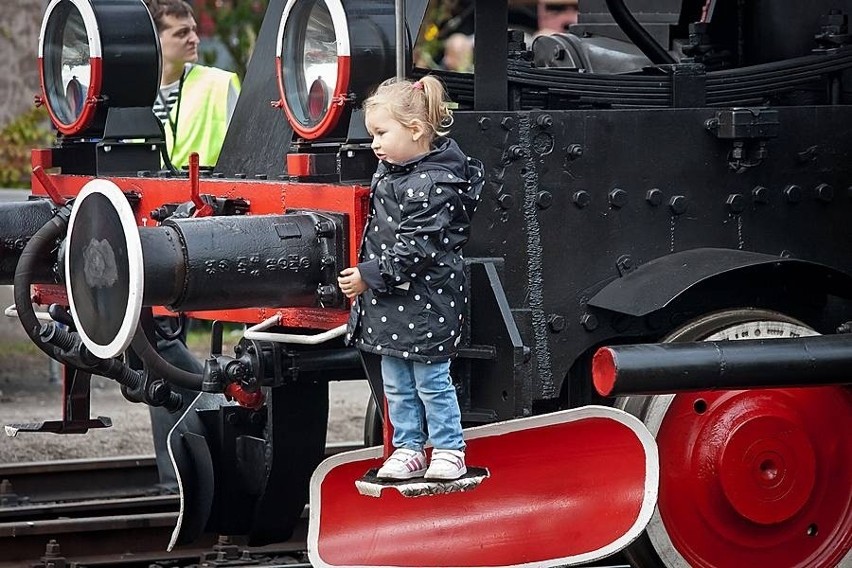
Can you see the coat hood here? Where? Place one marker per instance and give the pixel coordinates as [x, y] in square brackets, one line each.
[468, 174]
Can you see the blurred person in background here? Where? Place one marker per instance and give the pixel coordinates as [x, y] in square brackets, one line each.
[554, 16]
[195, 103]
[458, 53]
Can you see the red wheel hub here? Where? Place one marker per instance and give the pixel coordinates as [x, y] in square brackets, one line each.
[758, 478]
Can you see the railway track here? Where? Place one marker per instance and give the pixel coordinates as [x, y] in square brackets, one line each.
[110, 512]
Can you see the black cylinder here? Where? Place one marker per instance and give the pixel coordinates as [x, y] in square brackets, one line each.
[239, 261]
[165, 268]
[18, 223]
[675, 367]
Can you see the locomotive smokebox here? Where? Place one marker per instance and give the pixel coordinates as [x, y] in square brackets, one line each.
[113, 268]
[18, 223]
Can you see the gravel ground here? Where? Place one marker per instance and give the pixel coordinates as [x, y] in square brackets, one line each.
[28, 395]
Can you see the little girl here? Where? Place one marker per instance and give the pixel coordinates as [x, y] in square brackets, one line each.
[410, 284]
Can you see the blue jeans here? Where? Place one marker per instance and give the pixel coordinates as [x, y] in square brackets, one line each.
[419, 394]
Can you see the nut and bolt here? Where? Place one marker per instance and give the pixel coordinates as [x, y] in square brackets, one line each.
[544, 120]
[581, 198]
[327, 293]
[517, 152]
[506, 201]
[618, 197]
[678, 204]
[793, 193]
[575, 151]
[654, 197]
[825, 192]
[760, 194]
[589, 322]
[735, 203]
[556, 323]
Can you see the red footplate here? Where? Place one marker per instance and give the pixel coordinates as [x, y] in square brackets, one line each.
[564, 488]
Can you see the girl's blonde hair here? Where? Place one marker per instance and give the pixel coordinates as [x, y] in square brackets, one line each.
[409, 102]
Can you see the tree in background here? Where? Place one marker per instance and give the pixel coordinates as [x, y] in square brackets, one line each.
[22, 126]
[27, 131]
[236, 24]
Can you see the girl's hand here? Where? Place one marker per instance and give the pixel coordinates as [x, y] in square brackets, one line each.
[351, 283]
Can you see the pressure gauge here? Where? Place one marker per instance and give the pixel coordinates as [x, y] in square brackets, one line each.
[94, 55]
[329, 54]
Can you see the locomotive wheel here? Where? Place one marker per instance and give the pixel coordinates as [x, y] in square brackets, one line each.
[748, 478]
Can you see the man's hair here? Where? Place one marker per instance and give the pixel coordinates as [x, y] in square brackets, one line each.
[161, 8]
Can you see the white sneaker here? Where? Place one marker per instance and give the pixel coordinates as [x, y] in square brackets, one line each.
[403, 464]
[446, 465]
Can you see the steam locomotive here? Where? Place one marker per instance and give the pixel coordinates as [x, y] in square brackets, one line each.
[664, 235]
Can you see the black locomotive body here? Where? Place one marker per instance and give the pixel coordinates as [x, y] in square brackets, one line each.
[664, 171]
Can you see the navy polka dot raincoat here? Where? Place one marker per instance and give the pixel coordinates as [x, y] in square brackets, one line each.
[411, 256]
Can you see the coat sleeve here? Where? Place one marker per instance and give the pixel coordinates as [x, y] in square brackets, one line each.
[427, 210]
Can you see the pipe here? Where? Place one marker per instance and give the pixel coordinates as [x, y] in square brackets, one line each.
[708, 365]
[256, 333]
[159, 366]
[25, 270]
[399, 13]
[638, 34]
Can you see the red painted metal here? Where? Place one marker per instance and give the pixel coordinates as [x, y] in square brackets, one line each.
[564, 488]
[90, 103]
[52, 191]
[758, 478]
[252, 400]
[335, 109]
[300, 165]
[201, 209]
[264, 197]
[603, 370]
[41, 157]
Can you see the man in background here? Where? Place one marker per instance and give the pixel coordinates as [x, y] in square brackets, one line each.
[458, 53]
[555, 16]
[195, 103]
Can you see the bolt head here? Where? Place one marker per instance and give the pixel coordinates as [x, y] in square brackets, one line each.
[760, 194]
[556, 323]
[581, 198]
[678, 204]
[618, 198]
[793, 193]
[506, 201]
[589, 322]
[654, 197]
[825, 192]
[735, 203]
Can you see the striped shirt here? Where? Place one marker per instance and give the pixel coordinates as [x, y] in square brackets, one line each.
[166, 100]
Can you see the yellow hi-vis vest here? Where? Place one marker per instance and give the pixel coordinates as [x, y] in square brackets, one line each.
[203, 119]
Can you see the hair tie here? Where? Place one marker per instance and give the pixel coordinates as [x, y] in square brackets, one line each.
[417, 85]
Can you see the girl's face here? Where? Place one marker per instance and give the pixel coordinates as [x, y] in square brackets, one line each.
[392, 141]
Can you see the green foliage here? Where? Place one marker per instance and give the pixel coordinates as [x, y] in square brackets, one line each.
[236, 23]
[29, 130]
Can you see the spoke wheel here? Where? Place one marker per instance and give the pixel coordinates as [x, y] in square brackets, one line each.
[749, 478]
